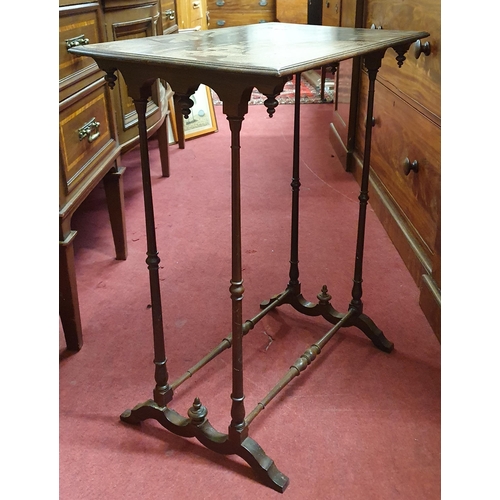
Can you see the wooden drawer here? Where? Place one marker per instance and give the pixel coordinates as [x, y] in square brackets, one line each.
[125, 4]
[241, 6]
[73, 2]
[227, 20]
[77, 25]
[225, 13]
[402, 132]
[81, 150]
[418, 79]
[169, 16]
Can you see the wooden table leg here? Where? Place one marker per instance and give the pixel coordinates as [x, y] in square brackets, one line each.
[163, 146]
[69, 310]
[113, 187]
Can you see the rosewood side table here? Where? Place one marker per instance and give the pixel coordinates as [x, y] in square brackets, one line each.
[233, 61]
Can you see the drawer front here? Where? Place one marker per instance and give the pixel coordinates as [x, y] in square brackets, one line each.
[85, 132]
[225, 20]
[169, 16]
[241, 6]
[77, 26]
[225, 13]
[419, 79]
[402, 132]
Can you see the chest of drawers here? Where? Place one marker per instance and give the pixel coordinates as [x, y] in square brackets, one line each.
[405, 173]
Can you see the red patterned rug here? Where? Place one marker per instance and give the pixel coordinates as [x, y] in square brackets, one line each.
[309, 94]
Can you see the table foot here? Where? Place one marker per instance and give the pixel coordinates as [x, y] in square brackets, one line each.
[197, 425]
[326, 310]
[370, 329]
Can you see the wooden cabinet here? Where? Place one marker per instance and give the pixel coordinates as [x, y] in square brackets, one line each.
[225, 13]
[96, 126]
[407, 106]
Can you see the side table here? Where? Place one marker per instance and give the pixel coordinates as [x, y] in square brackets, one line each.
[232, 61]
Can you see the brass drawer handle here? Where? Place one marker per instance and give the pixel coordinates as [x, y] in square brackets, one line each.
[408, 167]
[90, 130]
[77, 41]
[422, 48]
[170, 14]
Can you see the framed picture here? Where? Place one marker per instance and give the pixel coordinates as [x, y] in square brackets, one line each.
[201, 120]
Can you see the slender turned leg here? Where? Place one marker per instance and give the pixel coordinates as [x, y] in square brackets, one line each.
[237, 430]
[162, 392]
[236, 441]
[294, 246]
[372, 63]
[292, 294]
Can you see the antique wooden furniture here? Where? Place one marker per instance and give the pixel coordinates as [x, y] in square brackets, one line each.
[226, 13]
[233, 61]
[406, 173]
[95, 128]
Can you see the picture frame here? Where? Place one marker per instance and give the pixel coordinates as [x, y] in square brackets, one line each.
[201, 120]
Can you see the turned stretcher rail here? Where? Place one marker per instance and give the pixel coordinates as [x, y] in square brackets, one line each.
[226, 342]
[299, 366]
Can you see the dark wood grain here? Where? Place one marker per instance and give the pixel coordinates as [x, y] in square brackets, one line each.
[417, 193]
[418, 79]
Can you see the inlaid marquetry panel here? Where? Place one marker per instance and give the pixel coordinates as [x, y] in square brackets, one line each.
[77, 26]
[85, 132]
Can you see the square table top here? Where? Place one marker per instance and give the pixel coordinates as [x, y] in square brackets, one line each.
[267, 49]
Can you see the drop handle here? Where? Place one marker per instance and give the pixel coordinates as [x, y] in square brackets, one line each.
[77, 41]
[90, 130]
[422, 48]
[408, 167]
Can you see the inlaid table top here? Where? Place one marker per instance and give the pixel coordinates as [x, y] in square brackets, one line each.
[271, 49]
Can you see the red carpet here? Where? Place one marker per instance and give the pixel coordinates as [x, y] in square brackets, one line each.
[357, 424]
